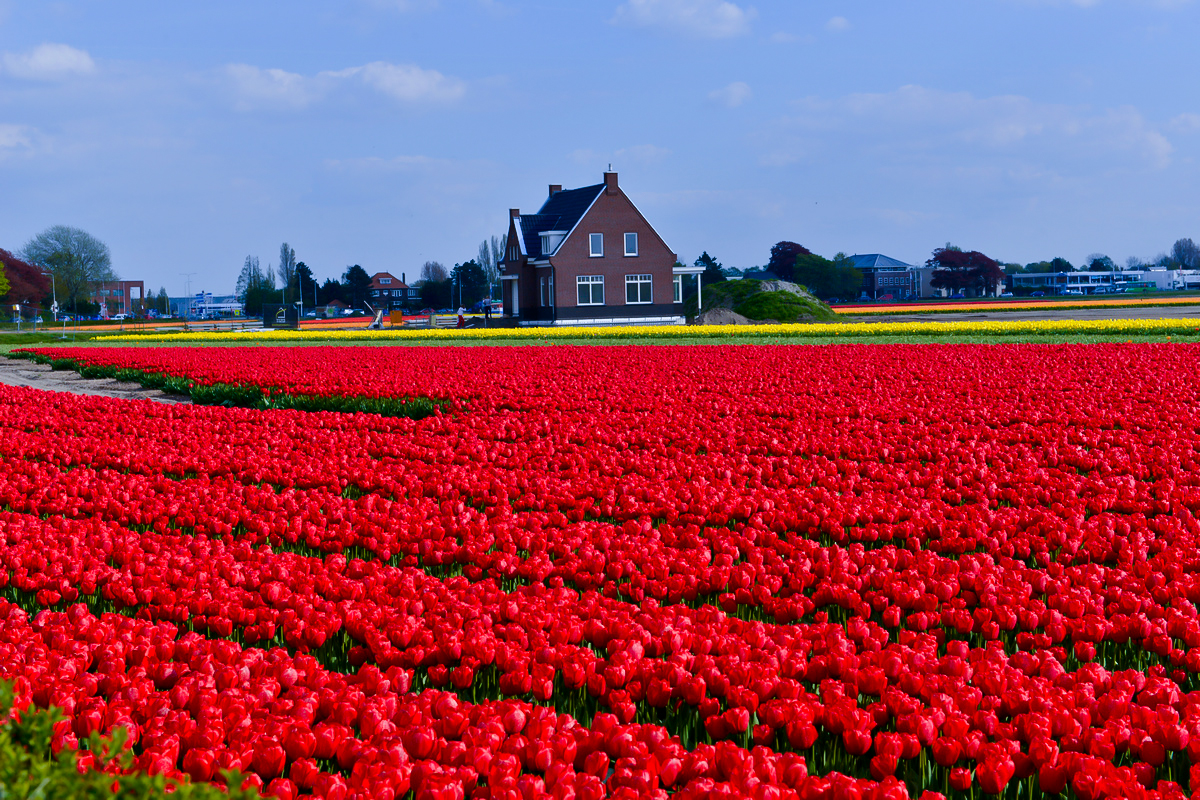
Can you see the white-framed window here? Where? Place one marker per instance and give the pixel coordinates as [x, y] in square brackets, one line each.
[546, 290]
[591, 289]
[595, 245]
[384, 281]
[631, 244]
[678, 288]
[639, 289]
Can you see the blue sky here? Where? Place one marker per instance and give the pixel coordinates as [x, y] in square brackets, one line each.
[389, 132]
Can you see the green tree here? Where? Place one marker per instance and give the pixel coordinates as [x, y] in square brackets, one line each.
[1061, 265]
[256, 287]
[75, 258]
[1098, 262]
[331, 290]
[713, 271]
[358, 286]
[304, 284]
[469, 283]
[825, 278]
[436, 294]
[4, 286]
[162, 303]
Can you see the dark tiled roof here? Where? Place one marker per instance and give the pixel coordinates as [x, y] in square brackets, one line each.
[876, 261]
[559, 213]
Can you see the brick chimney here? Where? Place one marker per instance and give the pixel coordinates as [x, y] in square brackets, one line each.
[513, 213]
[610, 183]
[555, 188]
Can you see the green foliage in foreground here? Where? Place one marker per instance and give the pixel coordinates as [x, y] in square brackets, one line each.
[747, 298]
[30, 771]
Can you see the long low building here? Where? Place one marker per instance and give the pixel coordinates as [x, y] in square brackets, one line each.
[1165, 280]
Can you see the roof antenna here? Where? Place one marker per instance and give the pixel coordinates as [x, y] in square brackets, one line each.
[610, 166]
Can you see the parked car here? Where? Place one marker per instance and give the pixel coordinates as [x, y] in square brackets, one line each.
[119, 317]
[958, 296]
[1037, 294]
[1006, 294]
[424, 312]
[1072, 291]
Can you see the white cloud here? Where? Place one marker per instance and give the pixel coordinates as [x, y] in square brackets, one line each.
[256, 87]
[276, 88]
[838, 24]
[48, 62]
[1187, 123]
[710, 19]
[406, 82]
[732, 95]
[915, 127]
[14, 136]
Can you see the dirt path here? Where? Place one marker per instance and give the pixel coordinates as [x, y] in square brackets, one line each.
[15, 372]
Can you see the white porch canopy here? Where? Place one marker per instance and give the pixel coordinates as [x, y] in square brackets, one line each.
[684, 269]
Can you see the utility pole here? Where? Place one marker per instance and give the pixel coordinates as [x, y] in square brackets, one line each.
[188, 291]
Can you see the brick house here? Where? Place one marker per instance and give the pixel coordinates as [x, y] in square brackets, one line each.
[116, 297]
[589, 257]
[391, 293]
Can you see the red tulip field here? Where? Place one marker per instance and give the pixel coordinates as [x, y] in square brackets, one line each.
[861, 571]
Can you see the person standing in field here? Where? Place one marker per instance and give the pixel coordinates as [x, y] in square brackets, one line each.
[461, 319]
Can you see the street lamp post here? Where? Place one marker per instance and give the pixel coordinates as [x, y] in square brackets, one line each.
[54, 292]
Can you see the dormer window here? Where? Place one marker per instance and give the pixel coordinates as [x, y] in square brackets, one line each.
[551, 240]
[384, 281]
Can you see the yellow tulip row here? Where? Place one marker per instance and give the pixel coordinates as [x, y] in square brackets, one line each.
[1014, 328]
[1009, 305]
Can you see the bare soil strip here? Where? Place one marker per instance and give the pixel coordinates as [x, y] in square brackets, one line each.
[15, 372]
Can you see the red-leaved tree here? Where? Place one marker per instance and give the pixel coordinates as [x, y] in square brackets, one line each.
[957, 270]
[783, 258]
[27, 284]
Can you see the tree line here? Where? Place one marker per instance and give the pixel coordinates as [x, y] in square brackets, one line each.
[1184, 254]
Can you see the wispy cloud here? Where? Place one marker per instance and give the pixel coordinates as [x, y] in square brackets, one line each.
[48, 62]
[1014, 134]
[405, 82]
[15, 137]
[710, 19]
[732, 95]
[255, 87]
[837, 24]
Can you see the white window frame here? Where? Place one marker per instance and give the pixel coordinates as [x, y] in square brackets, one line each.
[590, 281]
[385, 281]
[634, 252]
[596, 245]
[639, 281]
[678, 281]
